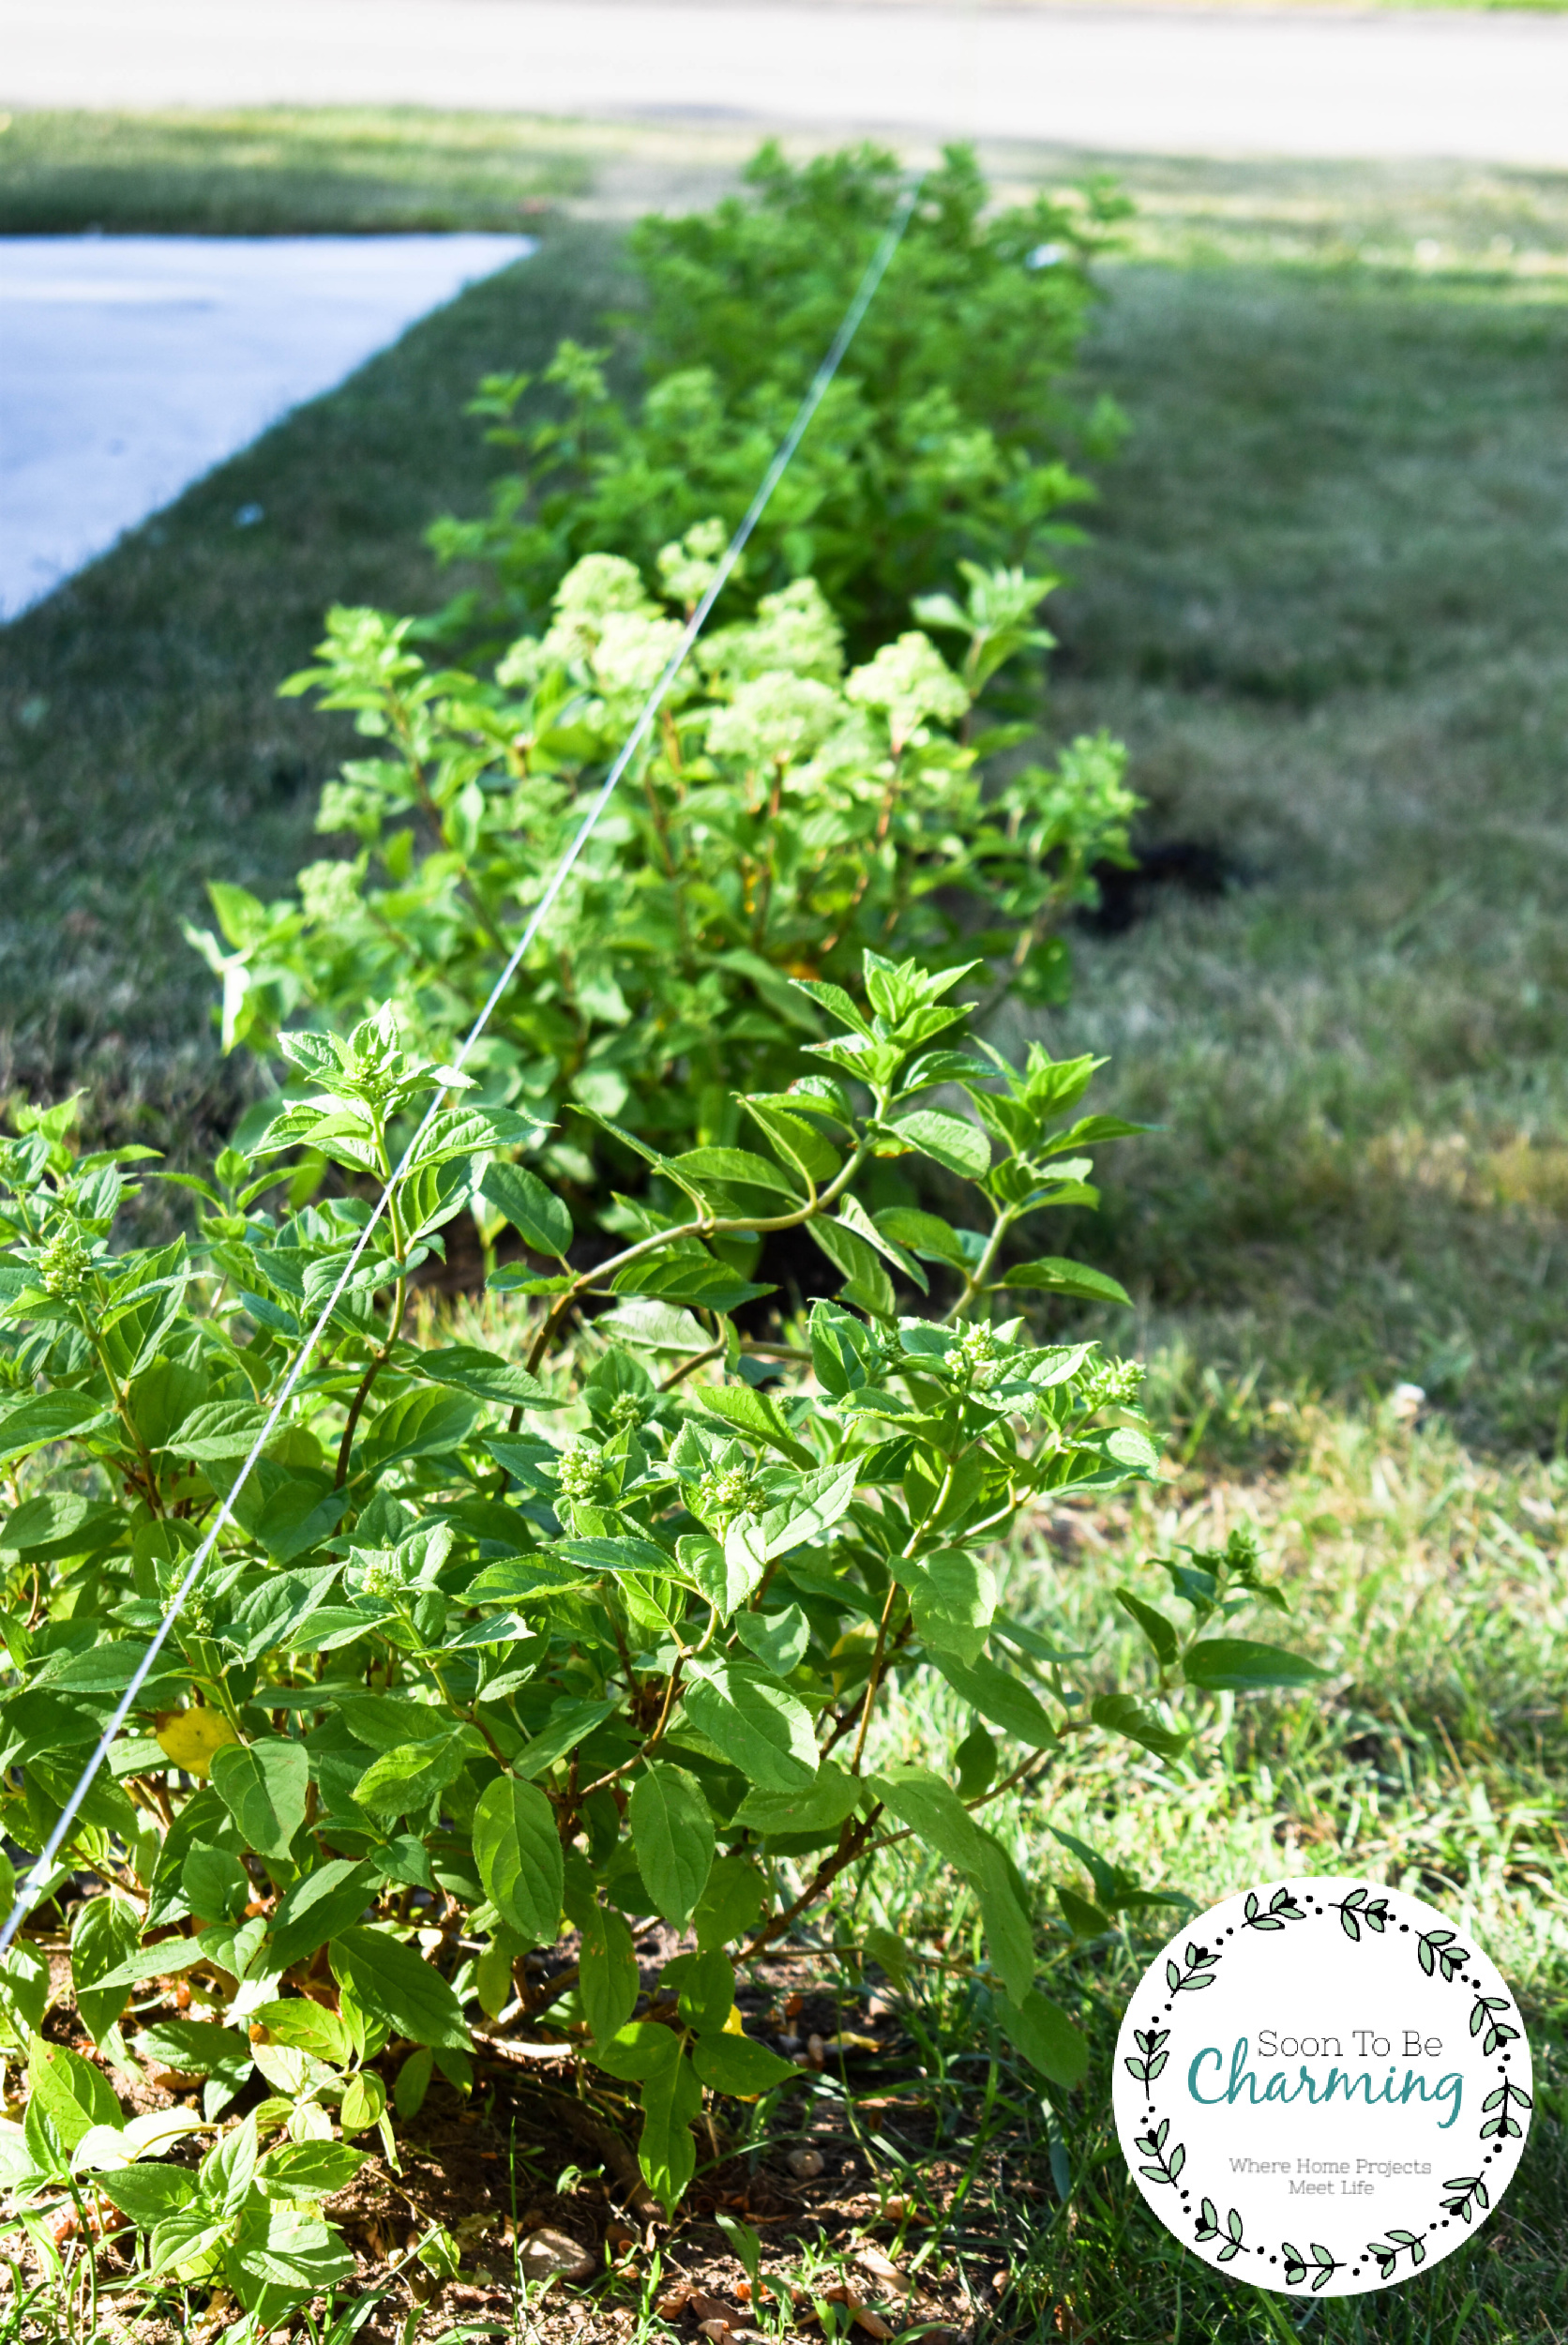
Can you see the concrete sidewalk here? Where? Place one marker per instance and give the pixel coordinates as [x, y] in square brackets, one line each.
[1483, 88]
[131, 365]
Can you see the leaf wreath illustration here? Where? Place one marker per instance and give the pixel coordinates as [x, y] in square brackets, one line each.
[1198, 1974]
[1323, 2265]
[1358, 1908]
[1398, 2243]
[1164, 2168]
[1438, 1949]
[1147, 2040]
[1209, 2228]
[1470, 2192]
[1504, 2124]
[1282, 1909]
[1482, 2014]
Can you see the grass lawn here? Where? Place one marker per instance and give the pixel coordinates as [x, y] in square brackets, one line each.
[1324, 605]
[279, 171]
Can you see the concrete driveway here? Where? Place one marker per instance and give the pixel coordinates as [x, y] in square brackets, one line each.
[1162, 80]
[130, 365]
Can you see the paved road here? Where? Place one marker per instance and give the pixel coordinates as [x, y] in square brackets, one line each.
[129, 365]
[1483, 87]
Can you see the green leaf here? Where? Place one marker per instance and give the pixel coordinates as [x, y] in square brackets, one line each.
[1236, 1664]
[273, 1612]
[217, 1430]
[215, 1885]
[854, 1216]
[733, 1904]
[1005, 1699]
[823, 1498]
[517, 1850]
[411, 1776]
[609, 1980]
[23, 1993]
[196, 2048]
[186, 2238]
[71, 2093]
[1052, 1275]
[951, 1140]
[777, 1638]
[308, 2026]
[953, 1598]
[671, 2100]
[321, 1906]
[821, 1806]
[673, 1833]
[922, 1233]
[1084, 1919]
[414, 2082]
[795, 1140]
[728, 1575]
[704, 1987]
[263, 1785]
[394, 1983]
[364, 2102]
[487, 1376]
[934, 1812]
[537, 1213]
[568, 1724]
[739, 2065]
[60, 1523]
[870, 1287]
[736, 1166]
[893, 1953]
[229, 2167]
[287, 2249]
[1045, 2036]
[309, 2170]
[753, 1722]
[1121, 1713]
[637, 2051]
[1160, 1632]
[422, 1424]
[46, 1417]
[148, 2194]
[526, 1579]
[108, 1932]
[753, 1413]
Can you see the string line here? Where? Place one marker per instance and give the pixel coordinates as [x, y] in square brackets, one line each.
[875, 269]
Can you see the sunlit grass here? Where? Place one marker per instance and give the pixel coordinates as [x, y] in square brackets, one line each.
[282, 171]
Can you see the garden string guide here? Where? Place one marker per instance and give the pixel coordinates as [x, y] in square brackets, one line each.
[875, 269]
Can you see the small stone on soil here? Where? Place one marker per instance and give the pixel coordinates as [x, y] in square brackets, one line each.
[553, 2255]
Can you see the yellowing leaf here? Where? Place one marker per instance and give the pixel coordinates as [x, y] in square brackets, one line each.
[188, 1738]
[735, 2023]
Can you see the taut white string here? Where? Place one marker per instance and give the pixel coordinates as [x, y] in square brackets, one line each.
[875, 269]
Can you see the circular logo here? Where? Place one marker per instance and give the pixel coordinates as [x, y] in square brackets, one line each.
[1321, 2086]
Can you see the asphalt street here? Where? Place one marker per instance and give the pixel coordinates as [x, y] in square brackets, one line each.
[1224, 82]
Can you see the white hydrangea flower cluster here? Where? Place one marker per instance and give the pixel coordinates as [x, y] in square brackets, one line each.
[776, 720]
[910, 685]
